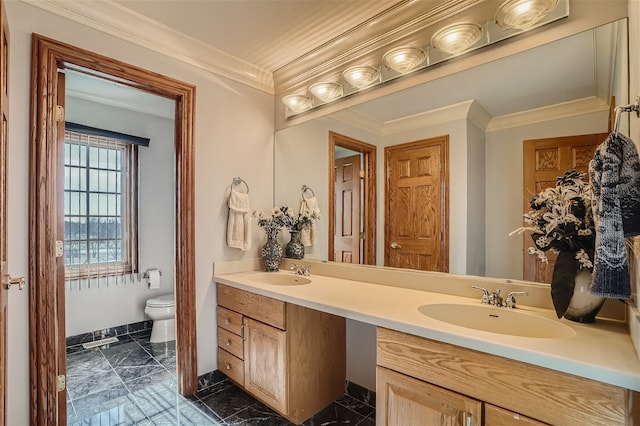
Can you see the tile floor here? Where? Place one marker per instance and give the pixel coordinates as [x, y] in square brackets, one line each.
[132, 382]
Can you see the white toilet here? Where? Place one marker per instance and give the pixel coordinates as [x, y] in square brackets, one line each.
[162, 310]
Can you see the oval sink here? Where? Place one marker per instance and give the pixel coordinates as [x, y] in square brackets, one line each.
[280, 279]
[497, 320]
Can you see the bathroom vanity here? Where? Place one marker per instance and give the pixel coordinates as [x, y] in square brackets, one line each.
[428, 367]
[289, 357]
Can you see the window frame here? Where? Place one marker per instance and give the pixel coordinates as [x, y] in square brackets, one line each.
[129, 205]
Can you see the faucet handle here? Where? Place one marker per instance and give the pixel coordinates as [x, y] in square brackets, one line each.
[294, 267]
[511, 300]
[485, 294]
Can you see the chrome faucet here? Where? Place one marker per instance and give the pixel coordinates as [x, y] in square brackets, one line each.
[496, 298]
[300, 270]
[511, 300]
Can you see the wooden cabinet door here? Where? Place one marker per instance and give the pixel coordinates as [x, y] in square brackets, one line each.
[265, 351]
[496, 416]
[403, 400]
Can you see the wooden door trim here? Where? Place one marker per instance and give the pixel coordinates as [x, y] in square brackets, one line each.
[443, 141]
[369, 194]
[4, 273]
[47, 56]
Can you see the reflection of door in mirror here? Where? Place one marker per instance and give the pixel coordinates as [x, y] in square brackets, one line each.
[417, 205]
[347, 178]
[352, 203]
[544, 161]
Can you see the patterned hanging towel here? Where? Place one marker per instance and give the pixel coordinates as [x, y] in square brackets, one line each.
[615, 182]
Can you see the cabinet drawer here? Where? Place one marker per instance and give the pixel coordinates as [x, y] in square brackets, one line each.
[264, 309]
[496, 416]
[231, 366]
[229, 320]
[230, 342]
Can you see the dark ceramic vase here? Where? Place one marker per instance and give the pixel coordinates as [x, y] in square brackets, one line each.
[583, 306]
[272, 252]
[294, 248]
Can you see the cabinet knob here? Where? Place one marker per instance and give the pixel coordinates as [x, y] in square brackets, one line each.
[228, 342]
[228, 366]
[226, 321]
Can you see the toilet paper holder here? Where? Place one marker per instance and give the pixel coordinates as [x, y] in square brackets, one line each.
[146, 274]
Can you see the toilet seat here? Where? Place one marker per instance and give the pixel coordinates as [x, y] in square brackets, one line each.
[165, 301]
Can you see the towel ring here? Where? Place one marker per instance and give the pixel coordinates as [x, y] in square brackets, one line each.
[237, 181]
[305, 188]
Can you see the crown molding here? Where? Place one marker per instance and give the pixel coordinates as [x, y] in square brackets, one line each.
[358, 120]
[553, 112]
[117, 21]
[428, 118]
[366, 42]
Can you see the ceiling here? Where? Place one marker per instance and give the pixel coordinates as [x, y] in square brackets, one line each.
[267, 33]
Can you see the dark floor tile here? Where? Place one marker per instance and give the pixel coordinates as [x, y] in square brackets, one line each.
[210, 379]
[96, 404]
[160, 378]
[228, 400]
[335, 414]
[355, 405]
[257, 415]
[223, 384]
[361, 393]
[368, 421]
[185, 415]
[159, 398]
[89, 372]
[130, 361]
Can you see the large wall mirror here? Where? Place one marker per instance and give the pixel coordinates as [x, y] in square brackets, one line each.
[562, 88]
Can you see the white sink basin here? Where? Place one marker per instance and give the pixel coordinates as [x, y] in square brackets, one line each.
[275, 278]
[497, 320]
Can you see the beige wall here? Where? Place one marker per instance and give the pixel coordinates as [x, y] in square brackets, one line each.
[233, 137]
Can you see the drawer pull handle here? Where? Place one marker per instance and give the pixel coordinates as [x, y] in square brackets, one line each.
[467, 418]
[226, 321]
[228, 366]
[228, 342]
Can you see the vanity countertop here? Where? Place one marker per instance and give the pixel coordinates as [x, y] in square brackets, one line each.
[602, 351]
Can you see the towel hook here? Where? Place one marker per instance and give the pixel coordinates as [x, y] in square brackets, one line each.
[305, 188]
[635, 107]
[237, 181]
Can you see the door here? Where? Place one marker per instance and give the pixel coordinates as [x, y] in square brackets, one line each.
[265, 351]
[44, 297]
[368, 153]
[4, 275]
[544, 161]
[417, 207]
[404, 400]
[347, 209]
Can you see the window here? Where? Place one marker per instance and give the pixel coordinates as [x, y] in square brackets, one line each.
[100, 206]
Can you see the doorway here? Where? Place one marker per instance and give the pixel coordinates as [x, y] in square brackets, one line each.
[46, 290]
[361, 218]
[417, 205]
[544, 161]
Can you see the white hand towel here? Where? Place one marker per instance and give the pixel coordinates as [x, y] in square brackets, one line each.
[239, 221]
[308, 235]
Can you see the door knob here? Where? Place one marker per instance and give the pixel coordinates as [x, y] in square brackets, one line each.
[15, 281]
[395, 245]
